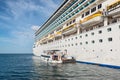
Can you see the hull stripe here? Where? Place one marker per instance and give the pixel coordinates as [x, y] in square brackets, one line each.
[103, 65]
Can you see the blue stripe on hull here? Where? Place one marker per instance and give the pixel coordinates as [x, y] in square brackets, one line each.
[103, 65]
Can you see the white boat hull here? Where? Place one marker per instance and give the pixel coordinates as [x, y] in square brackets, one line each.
[106, 52]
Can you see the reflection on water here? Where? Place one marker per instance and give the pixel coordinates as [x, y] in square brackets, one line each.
[29, 67]
[74, 71]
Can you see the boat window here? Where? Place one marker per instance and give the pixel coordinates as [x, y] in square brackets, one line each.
[71, 38]
[93, 9]
[100, 31]
[99, 6]
[76, 44]
[75, 37]
[80, 43]
[86, 35]
[86, 42]
[119, 26]
[109, 29]
[71, 44]
[67, 24]
[109, 39]
[92, 33]
[80, 36]
[87, 13]
[73, 20]
[82, 15]
[100, 40]
[110, 49]
[70, 22]
[93, 41]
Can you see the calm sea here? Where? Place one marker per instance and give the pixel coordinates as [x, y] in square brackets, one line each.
[29, 67]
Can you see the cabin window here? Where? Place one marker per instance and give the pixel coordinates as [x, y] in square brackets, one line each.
[75, 37]
[87, 13]
[71, 44]
[93, 41]
[93, 9]
[100, 31]
[119, 26]
[86, 35]
[76, 44]
[80, 43]
[110, 39]
[92, 33]
[70, 22]
[71, 38]
[86, 42]
[80, 36]
[100, 40]
[67, 24]
[109, 29]
[73, 20]
[99, 6]
[82, 15]
[110, 49]
[68, 44]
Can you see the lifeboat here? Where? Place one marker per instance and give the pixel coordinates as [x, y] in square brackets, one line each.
[50, 36]
[58, 33]
[114, 8]
[92, 19]
[69, 29]
[43, 40]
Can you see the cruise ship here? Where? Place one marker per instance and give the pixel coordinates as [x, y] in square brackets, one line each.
[88, 30]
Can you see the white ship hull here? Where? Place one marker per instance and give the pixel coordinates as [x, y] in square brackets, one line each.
[83, 50]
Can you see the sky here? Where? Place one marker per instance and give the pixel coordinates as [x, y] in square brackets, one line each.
[19, 19]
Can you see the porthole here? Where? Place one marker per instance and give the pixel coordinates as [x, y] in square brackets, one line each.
[92, 33]
[100, 40]
[99, 6]
[75, 37]
[93, 41]
[86, 42]
[86, 35]
[80, 36]
[109, 29]
[110, 49]
[80, 43]
[100, 31]
[76, 44]
[110, 39]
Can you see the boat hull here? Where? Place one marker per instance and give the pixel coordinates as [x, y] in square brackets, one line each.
[105, 52]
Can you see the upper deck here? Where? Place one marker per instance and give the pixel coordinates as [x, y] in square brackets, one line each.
[67, 11]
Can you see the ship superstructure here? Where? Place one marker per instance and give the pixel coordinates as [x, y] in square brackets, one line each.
[88, 30]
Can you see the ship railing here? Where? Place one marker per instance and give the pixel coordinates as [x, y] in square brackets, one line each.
[99, 13]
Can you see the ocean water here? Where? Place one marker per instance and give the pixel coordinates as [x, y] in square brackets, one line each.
[29, 67]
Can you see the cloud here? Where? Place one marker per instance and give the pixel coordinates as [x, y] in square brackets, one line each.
[35, 28]
[20, 20]
[20, 7]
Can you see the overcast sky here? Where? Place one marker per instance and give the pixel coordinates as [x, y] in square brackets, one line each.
[19, 19]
